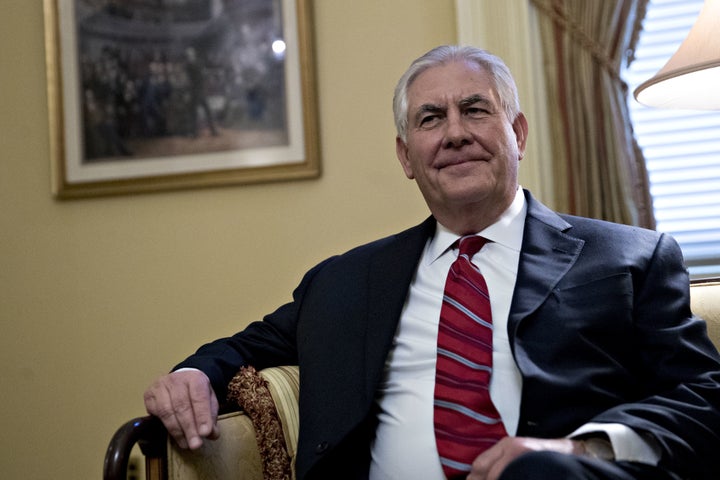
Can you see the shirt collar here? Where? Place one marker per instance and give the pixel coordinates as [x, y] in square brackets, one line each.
[506, 231]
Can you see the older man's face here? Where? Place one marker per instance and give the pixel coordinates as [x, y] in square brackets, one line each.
[461, 148]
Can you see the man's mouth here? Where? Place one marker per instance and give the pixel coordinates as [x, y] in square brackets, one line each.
[457, 161]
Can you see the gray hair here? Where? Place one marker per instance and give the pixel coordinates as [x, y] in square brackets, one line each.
[499, 72]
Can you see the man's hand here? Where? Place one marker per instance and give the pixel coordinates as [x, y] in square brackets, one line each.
[490, 464]
[187, 405]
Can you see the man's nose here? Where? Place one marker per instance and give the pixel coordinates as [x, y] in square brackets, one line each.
[456, 133]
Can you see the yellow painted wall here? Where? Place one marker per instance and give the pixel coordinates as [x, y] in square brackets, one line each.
[99, 296]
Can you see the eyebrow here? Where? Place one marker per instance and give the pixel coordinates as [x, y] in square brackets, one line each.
[465, 102]
[428, 108]
[473, 99]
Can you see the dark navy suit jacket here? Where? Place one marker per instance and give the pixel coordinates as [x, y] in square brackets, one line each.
[600, 328]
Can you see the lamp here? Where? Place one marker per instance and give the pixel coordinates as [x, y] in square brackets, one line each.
[691, 78]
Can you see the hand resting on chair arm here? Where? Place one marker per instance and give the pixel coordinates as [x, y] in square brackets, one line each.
[187, 405]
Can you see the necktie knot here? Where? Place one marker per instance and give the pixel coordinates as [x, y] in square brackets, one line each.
[471, 244]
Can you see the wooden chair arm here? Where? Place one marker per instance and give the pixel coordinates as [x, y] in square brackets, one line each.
[150, 435]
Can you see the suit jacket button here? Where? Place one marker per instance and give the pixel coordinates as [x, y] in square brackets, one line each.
[321, 447]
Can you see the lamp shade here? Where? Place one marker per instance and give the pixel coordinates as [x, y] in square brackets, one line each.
[691, 78]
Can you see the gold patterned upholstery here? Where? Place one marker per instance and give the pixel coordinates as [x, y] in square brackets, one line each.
[235, 455]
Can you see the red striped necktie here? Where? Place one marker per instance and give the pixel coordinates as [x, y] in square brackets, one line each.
[466, 421]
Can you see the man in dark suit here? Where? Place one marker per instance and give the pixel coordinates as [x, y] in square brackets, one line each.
[600, 370]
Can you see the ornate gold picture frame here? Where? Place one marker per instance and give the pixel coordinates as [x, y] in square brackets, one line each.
[149, 96]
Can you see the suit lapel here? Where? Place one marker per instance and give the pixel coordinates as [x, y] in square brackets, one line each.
[391, 271]
[547, 254]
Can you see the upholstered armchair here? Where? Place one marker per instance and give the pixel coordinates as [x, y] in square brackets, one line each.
[259, 440]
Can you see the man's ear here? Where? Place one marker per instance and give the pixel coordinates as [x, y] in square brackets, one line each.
[520, 127]
[401, 151]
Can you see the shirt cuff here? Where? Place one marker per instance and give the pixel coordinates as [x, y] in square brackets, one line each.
[627, 444]
[189, 369]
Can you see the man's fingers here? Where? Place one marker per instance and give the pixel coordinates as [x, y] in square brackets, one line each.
[485, 465]
[187, 406]
[215, 434]
[182, 408]
[490, 464]
[204, 406]
[159, 403]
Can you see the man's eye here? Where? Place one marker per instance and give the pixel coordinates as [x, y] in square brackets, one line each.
[476, 112]
[428, 120]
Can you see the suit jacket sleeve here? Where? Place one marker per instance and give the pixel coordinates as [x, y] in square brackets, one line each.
[678, 366]
[610, 337]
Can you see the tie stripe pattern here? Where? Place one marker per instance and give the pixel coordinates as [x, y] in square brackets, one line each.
[466, 421]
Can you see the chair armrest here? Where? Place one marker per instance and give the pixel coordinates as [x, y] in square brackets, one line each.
[147, 432]
[242, 452]
[705, 302]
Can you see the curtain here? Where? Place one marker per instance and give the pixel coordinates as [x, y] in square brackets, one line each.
[598, 168]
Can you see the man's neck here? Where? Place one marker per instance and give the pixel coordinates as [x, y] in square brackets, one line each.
[472, 219]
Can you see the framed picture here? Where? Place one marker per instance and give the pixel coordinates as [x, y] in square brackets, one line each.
[149, 95]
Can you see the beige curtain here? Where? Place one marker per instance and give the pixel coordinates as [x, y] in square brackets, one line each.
[598, 168]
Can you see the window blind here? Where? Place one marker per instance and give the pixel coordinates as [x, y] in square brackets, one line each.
[681, 147]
